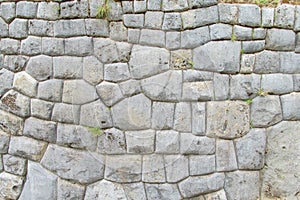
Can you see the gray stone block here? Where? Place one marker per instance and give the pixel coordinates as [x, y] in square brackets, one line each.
[67, 67]
[225, 156]
[11, 185]
[60, 160]
[228, 13]
[65, 113]
[259, 33]
[285, 16]
[173, 40]
[297, 48]
[153, 169]
[16, 103]
[31, 46]
[48, 10]
[8, 11]
[197, 91]
[123, 168]
[140, 6]
[200, 17]
[93, 6]
[10, 46]
[154, 4]
[249, 15]
[250, 150]
[130, 87]
[216, 57]
[97, 27]
[79, 9]
[221, 194]
[154, 19]
[134, 20]
[253, 46]
[296, 82]
[6, 83]
[116, 72]
[118, 31]
[11, 124]
[162, 191]
[198, 118]
[67, 28]
[162, 115]
[92, 71]
[297, 18]
[181, 59]
[14, 165]
[26, 147]
[50, 90]
[195, 37]
[280, 40]
[3, 28]
[183, 117]
[265, 111]
[289, 62]
[242, 33]
[172, 21]
[174, 162]
[25, 84]
[127, 7]
[197, 185]
[174, 5]
[133, 36]
[53, 46]
[40, 28]
[116, 11]
[277, 83]
[40, 67]
[15, 63]
[109, 93]
[244, 86]
[201, 3]
[140, 142]
[290, 106]
[167, 142]
[201, 165]
[68, 190]
[266, 62]
[78, 46]
[152, 38]
[4, 142]
[221, 86]
[18, 29]
[267, 17]
[41, 109]
[191, 144]
[112, 142]
[191, 75]
[220, 31]
[26, 9]
[105, 190]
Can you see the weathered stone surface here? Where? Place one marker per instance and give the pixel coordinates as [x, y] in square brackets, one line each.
[3, 28]
[172, 21]
[275, 41]
[267, 62]
[105, 190]
[78, 46]
[176, 167]
[220, 31]
[6, 83]
[197, 185]
[181, 59]
[10, 186]
[285, 16]
[296, 82]
[167, 141]
[50, 90]
[71, 164]
[130, 87]
[133, 36]
[290, 106]
[40, 129]
[162, 191]
[14, 165]
[53, 46]
[132, 113]
[277, 83]
[173, 40]
[233, 119]
[15, 63]
[249, 15]
[31, 46]
[18, 29]
[191, 144]
[92, 71]
[4, 142]
[67, 67]
[221, 195]
[267, 17]
[135, 191]
[200, 17]
[10, 123]
[220, 87]
[147, 61]
[74, 9]
[26, 147]
[183, 117]
[265, 111]
[153, 169]
[242, 33]
[40, 28]
[123, 169]
[110, 93]
[281, 178]
[16, 103]
[78, 92]
[195, 37]
[154, 4]
[228, 13]
[225, 156]
[253, 46]
[116, 72]
[247, 63]
[25, 84]
[116, 15]
[48, 10]
[95, 114]
[242, 184]
[215, 56]
[26, 9]
[40, 183]
[154, 19]
[198, 118]
[8, 11]
[76, 137]
[40, 67]
[174, 5]
[244, 86]
[10, 46]
[41, 109]
[140, 142]
[68, 190]
[200, 165]
[134, 20]
[112, 142]
[152, 37]
[162, 115]
[199, 91]
[289, 62]
[67, 28]
[259, 33]
[118, 31]
[97, 27]
[195, 75]
[67, 113]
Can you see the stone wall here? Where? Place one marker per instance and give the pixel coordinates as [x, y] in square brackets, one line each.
[163, 99]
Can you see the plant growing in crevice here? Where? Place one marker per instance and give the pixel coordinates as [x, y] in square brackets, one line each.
[103, 10]
[262, 92]
[96, 131]
[233, 37]
[248, 101]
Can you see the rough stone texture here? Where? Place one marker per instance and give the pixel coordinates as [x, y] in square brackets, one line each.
[167, 141]
[220, 31]
[41, 109]
[201, 165]
[290, 107]
[197, 91]
[275, 41]
[154, 19]
[244, 86]
[40, 67]
[242, 33]
[134, 20]
[284, 16]
[10, 123]
[78, 46]
[14, 63]
[110, 93]
[162, 191]
[228, 13]
[24, 83]
[289, 62]
[174, 5]
[191, 144]
[50, 90]
[67, 113]
[253, 46]
[266, 62]
[152, 38]
[15, 103]
[172, 21]
[67, 67]
[130, 87]
[277, 83]
[249, 15]
[198, 118]
[233, 119]
[67, 190]
[176, 167]
[92, 71]
[153, 169]
[112, 142]
[221, 87]
[6, 81]
[71, 164]
[135, 191]
[195, 37]
[200, 17]
[14, 165]
[10, 185]
[267, 19]
[4, 142]
[140, 142]
[225, 156]
[265, 111]
[162, 115]
[183, 117]
[116, 72]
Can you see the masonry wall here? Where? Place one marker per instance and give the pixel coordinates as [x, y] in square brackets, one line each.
[162, 99]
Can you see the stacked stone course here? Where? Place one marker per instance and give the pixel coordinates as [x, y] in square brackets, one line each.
[163, 99]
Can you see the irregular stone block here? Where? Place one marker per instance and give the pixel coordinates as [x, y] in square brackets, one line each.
[221, 86]
[72, 164]
[154, 4]
[50, 90]
[275, 41]
[112, 142]
[267, 17]
[289, 62]
[10, 123]
[48, 10]
[41, 109]
[40, 129]
[68, 190]
[220, 31]
[78, 46]
[31, 46]
[147, 61]
[15, 63]
[40, 27]
[6, 83]
[244, 86]
[8, 11]
[253, 46]
[232, 119]
[123, 168]
[110, 93]
[154, 19]
[200, 165]
[297, 18]
[165, 86]
[162, 115]
[284, 16]
[215, 56]
[116, 72]
[153, 169]
[24, 83]
[18, 29]
[183, 117]
[40, 67]
[197, 91]
[174, 5]
[117, 13]
[290, 106]
[242, 33]
[26, 9]
[195, 37]
[249, 15]
[16, 103]
[66, 67]
[266, 62]
[176, 167]
[140, 142]
[242, 184]
[92, 71]
[118, 31]
[259, 33]
[97, 27]
[172, 21]
[133, 36]
[67, 113]
[200, 17]
[74, 9]
[10, 46]
[197, 185]
[181, 59]
[152, 37]
[95, 114]
[265, 111]
[127, 7]
[216, 195]
[53, 46]
[27, 147]
[195, 75]
[134, 20]
[228, 13]
[167, 141]
[135, 190]
[130, 87]
[4, 142]
[191, 144]
[162, 191]
[277, 83]
[14, 165]
[198, 118]
[202, 3]
[296, 82]
[67, 28]
[3, 28]
[225, 156]
[173, 40]
[10, 186]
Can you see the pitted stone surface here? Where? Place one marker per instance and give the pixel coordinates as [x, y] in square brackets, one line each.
[162, 191]
[14, 165]
[10, 185]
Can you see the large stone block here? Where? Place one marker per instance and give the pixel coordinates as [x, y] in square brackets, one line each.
[118, 31]
[152, 37]
[78, 46]
[66, 113]
[227, 119]
[154, 19]
[112, 142]
[3, 28]
[200, 165]
[140, 142]
[162, 115]
[48, 10]
[110, 93]
[8, 11]
[31, 46]
[40, 28]
[50, 90]
[220, 31]
[285, 16]
[225, 156]
[162, 191]
[10, 123]
[18, 29]
[153, 169]
[277, 83]
[25, 84]
[134, 20]
[275, 41]
[41, 109]
[244, 86]
[221, 86]
[14, 165]
[172, 21]
[16, 103]
[53, 46]
[197, 91]
[228, 13]
[183, 117]
[249, 15]
[267, 62]
[289, 62]
[195, 37]
[267, 17]
[10, 186]
[67, 67]
[135, 191]
[68, 190]
[174, 5]
[67, 28]
[177, 167]
[40, 67]
[116, 72]
[6, 83]
[26, 9]
[97, 27]
[10, 46]
[290, 106]
[200, 17]
[191, 144]
[74, 9]
[15, 63]
[167, 141]
[4, 142]
[92, 71]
